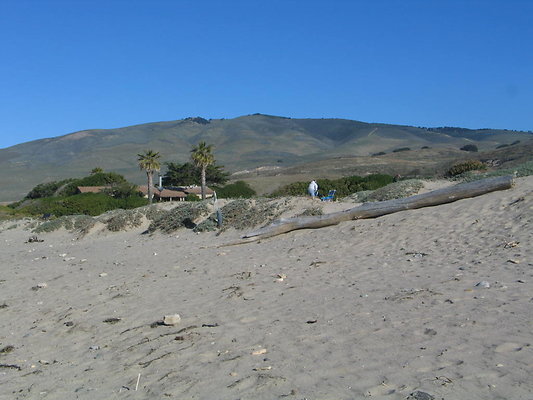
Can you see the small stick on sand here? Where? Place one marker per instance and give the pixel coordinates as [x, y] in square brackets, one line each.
[138, 379]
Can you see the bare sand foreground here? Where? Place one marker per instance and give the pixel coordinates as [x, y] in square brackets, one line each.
[430, 302]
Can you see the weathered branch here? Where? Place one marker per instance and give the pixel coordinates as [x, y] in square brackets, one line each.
[377, 209]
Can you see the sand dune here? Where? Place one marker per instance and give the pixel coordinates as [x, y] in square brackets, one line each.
[392, 308]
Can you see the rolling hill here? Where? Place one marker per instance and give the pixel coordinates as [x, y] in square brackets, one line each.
[242, 143]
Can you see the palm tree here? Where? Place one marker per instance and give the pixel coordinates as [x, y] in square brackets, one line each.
[202, 157]
[149, 161]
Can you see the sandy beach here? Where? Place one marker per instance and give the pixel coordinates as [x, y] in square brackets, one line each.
[436, 301]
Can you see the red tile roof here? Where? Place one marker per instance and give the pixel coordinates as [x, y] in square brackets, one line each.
[173, 194]
[144, 190]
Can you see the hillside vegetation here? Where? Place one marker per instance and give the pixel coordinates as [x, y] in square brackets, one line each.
[61, 198]
[243, 143]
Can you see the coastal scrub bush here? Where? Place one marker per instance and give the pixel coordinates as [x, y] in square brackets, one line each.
[180, 216]
[361, 197]
[470, 147]
[46, 189]
[86, 203]
[192, 197]
[152, 212]
[121, 220]
[292, 189]
[401, 149]
[524, 169]
[462, 167]
[312, 211]
[344, 186]
[239, 189]
[70, 223]
[50, 226]
[7, 213]
[370, 182]
[207, 225]
[395, 190]
[248, 213]
[501, 146]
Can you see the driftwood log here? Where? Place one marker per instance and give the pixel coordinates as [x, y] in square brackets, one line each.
[377, 209]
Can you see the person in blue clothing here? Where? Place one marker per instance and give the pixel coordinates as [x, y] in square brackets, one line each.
[313, 189]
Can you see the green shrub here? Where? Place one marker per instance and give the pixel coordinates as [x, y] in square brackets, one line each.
[131, 202]
[312, 211]
[462, 167]
[292, 189]
[401, 149]
[180, 216]
[525, 169]
[192, 197]
[86, 203]
[239, 189]
[70, 223]
[343, 186]
[123, 191]
[501, 146]
[46, 189]
[15, 204]
[7, 212]
[395, 190]
[248, 213]
[362, 196]
[244, 214]
[381, 153]
[208, 225]
[120, 220]
[152, 212]
[469, 147]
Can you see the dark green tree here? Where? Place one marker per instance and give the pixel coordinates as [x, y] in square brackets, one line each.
[96, 170]
[188, 174]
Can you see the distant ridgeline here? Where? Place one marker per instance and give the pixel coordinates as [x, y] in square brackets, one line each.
[242, 143]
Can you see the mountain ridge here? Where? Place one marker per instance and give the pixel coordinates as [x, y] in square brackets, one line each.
[243, 142]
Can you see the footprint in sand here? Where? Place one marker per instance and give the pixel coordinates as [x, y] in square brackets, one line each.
[507, 347]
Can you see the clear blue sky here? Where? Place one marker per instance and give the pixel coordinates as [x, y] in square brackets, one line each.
[70, 65]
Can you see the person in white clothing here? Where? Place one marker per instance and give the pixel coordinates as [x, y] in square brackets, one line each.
[313, 189]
